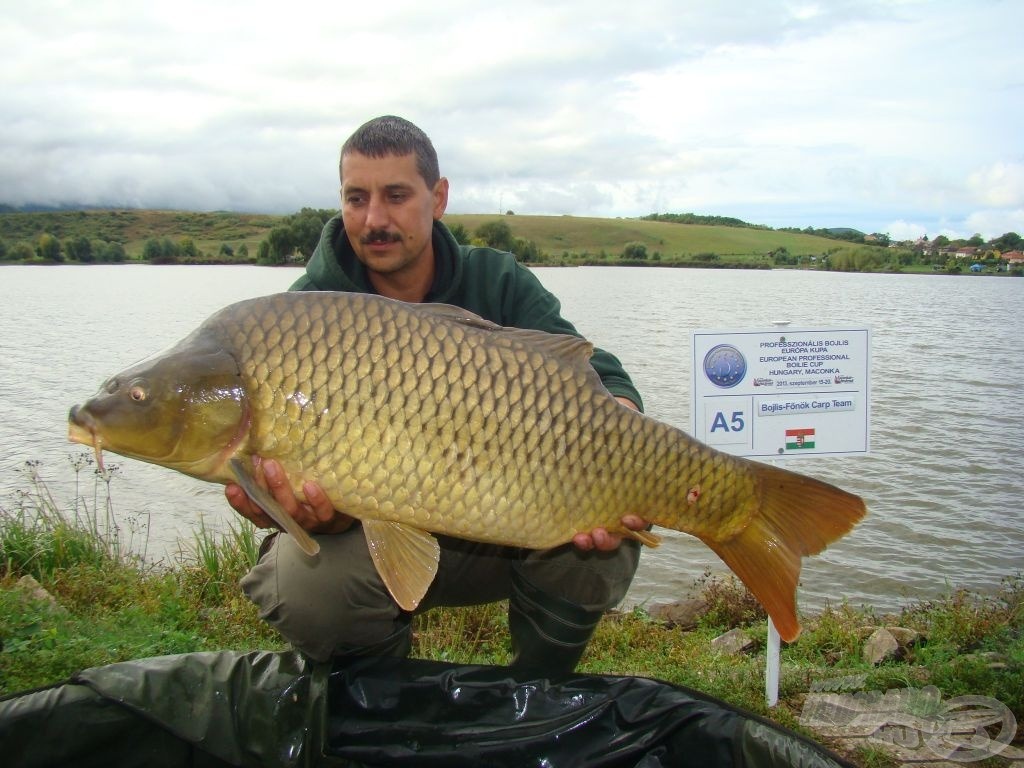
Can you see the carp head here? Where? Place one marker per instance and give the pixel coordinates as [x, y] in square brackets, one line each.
[185, 409]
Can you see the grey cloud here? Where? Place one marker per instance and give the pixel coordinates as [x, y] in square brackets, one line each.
[740, 108]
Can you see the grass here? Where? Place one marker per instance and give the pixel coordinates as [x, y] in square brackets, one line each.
[109, 604]
[578, 235]
[39, 537]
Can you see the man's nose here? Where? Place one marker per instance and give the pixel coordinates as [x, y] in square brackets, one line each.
[377, 213]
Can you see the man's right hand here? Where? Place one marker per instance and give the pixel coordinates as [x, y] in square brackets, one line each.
[317, 514]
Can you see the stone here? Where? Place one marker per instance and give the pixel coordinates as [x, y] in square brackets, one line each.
[991, 659]
[880, 646]
[35, 591]
[907, 638]
[733, 642]
[684, 614]
[864, 632]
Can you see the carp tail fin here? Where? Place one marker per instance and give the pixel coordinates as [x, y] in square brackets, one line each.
[795, 516]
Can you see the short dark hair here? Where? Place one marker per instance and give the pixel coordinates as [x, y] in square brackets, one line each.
[390, 135]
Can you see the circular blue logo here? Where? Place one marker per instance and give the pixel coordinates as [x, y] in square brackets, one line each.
[725, 366]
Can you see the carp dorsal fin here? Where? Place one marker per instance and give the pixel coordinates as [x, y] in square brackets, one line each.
[269, 505]
[458, 315]
[572, 348]
[575, 349]
[405, 557]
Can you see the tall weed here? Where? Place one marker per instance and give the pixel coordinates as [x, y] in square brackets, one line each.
[39, 536]
[214, 563]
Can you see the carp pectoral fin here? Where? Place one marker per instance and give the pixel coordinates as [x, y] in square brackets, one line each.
[406, 559]
[646, 538]
[269, 505]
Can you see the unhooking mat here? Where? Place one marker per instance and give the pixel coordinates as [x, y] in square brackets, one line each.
[276, 710]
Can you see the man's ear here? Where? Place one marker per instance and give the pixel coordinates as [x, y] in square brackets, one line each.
[440, 193]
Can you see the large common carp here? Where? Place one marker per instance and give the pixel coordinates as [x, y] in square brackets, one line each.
[424, 418]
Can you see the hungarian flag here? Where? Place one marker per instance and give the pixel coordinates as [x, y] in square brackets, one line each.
[797, 439]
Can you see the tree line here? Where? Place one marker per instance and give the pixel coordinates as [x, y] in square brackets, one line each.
[1010, 241]
[695, 218]
[50, 248]
[296, 237]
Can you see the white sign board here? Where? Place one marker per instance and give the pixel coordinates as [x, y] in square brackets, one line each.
[782, 392]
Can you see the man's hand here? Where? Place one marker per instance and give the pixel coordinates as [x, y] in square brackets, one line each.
[316, 515]
[603, 541]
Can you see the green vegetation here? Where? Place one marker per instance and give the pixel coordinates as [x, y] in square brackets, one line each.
[295, 236]
[110, 604]
[693, 218]
[104, 603]
[125, 235]
[677, 240]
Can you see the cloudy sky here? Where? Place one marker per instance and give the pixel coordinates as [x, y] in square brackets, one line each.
[897, 116]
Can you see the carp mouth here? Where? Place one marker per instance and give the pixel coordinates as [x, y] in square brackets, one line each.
[81, 429]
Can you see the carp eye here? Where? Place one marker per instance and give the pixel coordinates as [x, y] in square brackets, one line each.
[137, 393]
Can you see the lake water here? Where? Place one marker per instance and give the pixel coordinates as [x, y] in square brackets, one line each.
[944, 482]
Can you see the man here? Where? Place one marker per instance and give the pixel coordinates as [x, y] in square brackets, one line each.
[389, 240]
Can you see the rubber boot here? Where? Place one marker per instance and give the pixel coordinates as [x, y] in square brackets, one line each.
[549, 634]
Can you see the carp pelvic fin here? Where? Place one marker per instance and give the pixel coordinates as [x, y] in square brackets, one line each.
[272, 508]
[405, 557]
[796, 516]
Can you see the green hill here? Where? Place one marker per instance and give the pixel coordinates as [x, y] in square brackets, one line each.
[558, 239]
[578, 235]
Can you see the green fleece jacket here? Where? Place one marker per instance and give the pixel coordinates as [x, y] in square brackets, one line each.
[486, 281]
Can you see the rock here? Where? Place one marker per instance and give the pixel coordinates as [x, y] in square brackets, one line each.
[684, 614]
[733, 642]
[864, 632]
[880, 646]
[35, 591]
[991, 659]
[907, 638]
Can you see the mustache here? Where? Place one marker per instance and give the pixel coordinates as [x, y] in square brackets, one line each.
[380, 236]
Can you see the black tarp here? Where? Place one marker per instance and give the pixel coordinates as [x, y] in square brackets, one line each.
[274, 710]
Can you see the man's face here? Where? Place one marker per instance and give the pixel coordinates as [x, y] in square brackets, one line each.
[389, 211]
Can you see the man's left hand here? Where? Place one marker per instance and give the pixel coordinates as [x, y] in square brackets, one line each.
[604, 541]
